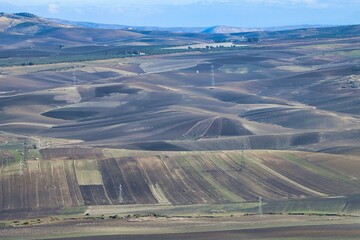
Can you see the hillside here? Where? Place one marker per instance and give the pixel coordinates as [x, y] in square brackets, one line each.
[141, 127]
[126, 27]
[228, 29]
[26, 23]
[26, 27]
[65, 177]
[308, 33]
[271, 99]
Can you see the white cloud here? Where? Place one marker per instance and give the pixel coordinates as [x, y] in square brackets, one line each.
[53, 8]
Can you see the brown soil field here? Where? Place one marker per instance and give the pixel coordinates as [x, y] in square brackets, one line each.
[179, 145]
[287, 97]
[312, 232]
[67, 177]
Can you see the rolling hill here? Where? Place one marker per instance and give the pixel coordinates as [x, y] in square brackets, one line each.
[95, 118]
[126, 27]
[26, 23]
[228, 29]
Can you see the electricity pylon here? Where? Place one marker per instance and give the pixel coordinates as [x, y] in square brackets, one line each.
[260, 207]
[121, 198]
[212, 76]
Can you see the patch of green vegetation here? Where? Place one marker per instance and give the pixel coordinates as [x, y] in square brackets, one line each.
[10, 169]
[239, 158]
[317, 169]
[351, 53]
[237, 69]
[17, 155]
[103, 54]
[3, 224]
[85, 177]
[118, 153]
[221, 189]
[307, 206]
[190, 163]
[72, 210]
[10, 146]
[211, 209]
[87, 172]
[318, 46]
[46, 165]
[16, 147]
[314, 206]
[34, 154]
[230, 196]
[86, 165]
[218, 161]
[196, 210]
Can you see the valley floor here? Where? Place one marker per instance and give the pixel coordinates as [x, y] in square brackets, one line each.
[268, 227]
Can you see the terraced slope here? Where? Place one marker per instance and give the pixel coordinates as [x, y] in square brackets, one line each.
[85, 176]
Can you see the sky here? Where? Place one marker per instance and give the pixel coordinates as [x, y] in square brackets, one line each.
[194, 13]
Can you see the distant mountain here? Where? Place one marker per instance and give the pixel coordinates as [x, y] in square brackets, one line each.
[127, 27]
[307, 32]
[32, 30]
[294, 27]
[27, 23]
[228, 29]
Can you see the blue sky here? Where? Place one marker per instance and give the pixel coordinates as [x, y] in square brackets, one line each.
[195, 13]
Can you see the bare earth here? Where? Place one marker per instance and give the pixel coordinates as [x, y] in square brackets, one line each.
[248, 227]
